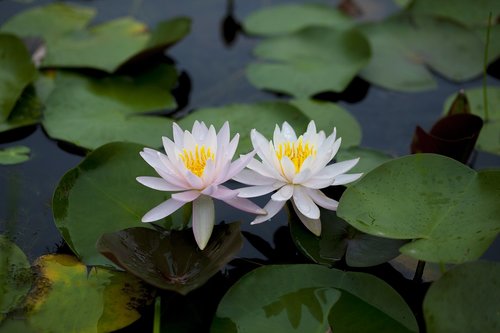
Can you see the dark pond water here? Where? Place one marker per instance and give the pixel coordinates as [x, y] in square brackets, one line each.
[213, 75]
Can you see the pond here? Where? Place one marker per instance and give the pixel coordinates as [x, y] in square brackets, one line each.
[393, 68]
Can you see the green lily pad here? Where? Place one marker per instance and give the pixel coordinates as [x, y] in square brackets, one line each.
[105, 300]
[16, 72]
[101, 195]
[369, 158]
[449, 210]
[49, 22]
[328, 115]
[106, 46]
[310, 61]
[285, 19]
[465, 299]
[171, 260]
[313, 299]
[91, 112]
[470, 13]
[339, 239]
[405, 48]
[489, 137]
[15, 276]
[26, 112]
[14, 155]
[264, 116]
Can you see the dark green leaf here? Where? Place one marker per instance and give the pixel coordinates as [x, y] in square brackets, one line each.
[465, 299]
[91, 112]
[310, 61]
[16, 72]
[101, 195]
[171, 260]
[284, 19]
[450, 210]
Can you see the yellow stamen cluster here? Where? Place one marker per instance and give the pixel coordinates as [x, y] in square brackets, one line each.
[296, 151]
[196, 160]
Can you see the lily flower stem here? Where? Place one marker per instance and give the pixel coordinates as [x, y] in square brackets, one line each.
[419, 271]
[157, 316]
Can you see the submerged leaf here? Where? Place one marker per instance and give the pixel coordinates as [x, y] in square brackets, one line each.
[14, 155]
[310, 298]
[16, 72]
[310, 61]
[15, 276]
[171, 260]
[465, 299]
[101, 195]
[90, 112]
[289, 18]
[105, 300]
[449, 210]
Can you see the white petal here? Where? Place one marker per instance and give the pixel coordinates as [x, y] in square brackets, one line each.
[314, 225]
[322, 200]
[346, 178]
[238, 165]
[203, 220]
[288, 132]
[272, 208]
[302, 175]
[193, 180]
[278, 138]
[223, 193]
[304, 203]
[261, 145]
[175, 180]
[335, 169]
[211, 139]
[244, 205]
[151, 158]
[209, 173]
[157, 183]
[231, 148]
[186, 196]
[317, 183]
[223, 135]
[251, 177]
[283, 194]
[162, 210]
[178, 135]
[255, 191]
[288, 168]
[265, 170]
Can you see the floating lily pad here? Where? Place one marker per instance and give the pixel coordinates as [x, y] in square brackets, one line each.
[369, 159]
[26, 112]
[265, 115]
[15, 276]
[465, 299]
[310, 61]
[471, 13]
[313, 299]
[91, 112]
[489, 138]
[106, 46]
[328, 115]
[14, 155]
[405, 48]
[285, 19]
[171, 260]
[50, 22]
[67, 297]
[16, 72]
[101, 195]
[449, 210]
[339, 239]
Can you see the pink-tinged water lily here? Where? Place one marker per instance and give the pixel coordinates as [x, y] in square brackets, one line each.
[296, 168]
[195, 165]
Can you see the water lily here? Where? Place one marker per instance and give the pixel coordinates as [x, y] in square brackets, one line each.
[296, 168]
[195, 165]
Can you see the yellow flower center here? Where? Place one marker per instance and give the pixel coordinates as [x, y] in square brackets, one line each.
[196, 160]
[297, 152]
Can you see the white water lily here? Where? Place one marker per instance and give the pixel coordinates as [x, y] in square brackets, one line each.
[195, 165]
[296, 168]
